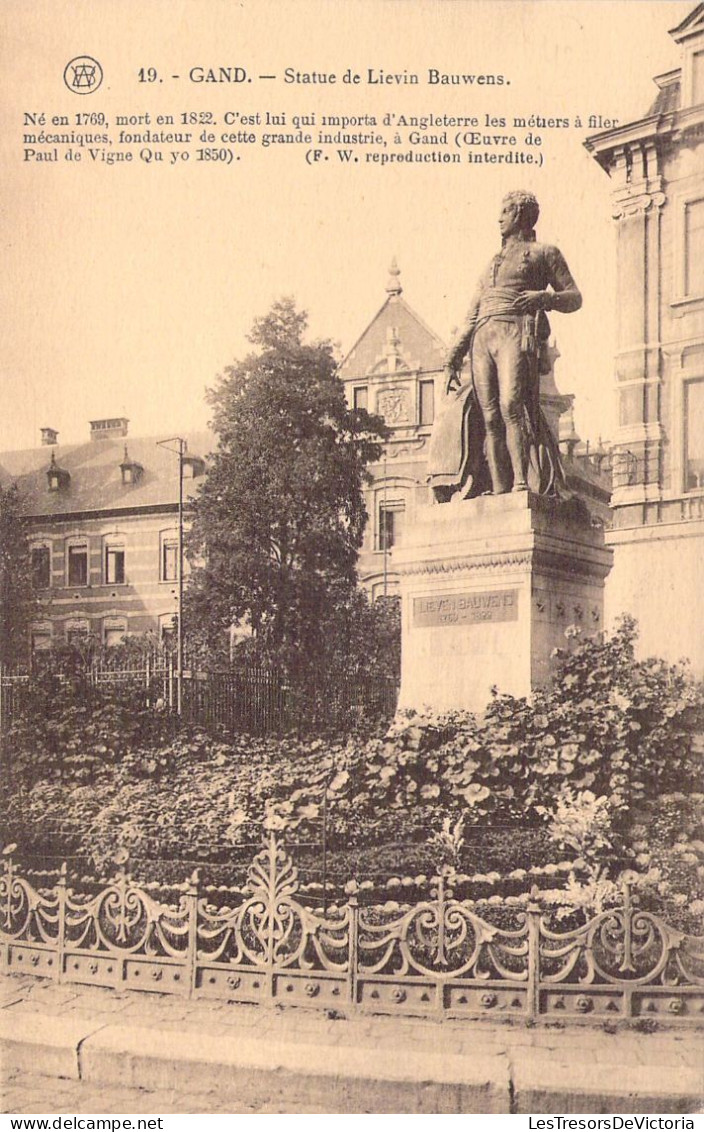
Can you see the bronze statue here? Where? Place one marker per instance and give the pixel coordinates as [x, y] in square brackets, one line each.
[490, 436]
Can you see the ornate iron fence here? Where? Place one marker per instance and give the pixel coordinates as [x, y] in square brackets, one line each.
[436, 958]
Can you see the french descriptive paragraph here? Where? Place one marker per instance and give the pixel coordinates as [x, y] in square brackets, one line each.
[87, 138]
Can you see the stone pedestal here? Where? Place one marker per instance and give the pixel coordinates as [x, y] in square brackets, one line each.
[488, 588]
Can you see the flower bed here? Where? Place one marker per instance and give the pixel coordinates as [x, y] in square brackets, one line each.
[585, 779]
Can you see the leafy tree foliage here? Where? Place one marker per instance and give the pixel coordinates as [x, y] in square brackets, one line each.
[279, 522]
[369, 636]
[17, 600]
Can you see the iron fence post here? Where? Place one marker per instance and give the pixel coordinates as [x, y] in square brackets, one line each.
[627, 964]
[7, 910]
[61, 893]
[271, 919]
[325, 846]
[353, 949]
[192, 893]
[442, 893]
[533, 990]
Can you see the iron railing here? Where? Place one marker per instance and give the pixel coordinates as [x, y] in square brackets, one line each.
[436, 958]
[257, 701]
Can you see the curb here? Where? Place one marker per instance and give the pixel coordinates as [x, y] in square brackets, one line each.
[43, 1043]
[571, 1087]
[339, 1078]
[345, 1079]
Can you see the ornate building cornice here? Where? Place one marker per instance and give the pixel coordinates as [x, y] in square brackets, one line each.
[625, 204]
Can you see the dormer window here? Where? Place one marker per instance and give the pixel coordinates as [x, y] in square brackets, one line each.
[131, 470]
[689, 37]
[58, 478]
[193, 466]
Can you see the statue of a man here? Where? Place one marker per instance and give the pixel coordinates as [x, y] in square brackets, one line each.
[504, 331]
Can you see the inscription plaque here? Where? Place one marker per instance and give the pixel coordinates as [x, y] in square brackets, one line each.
[466, 609]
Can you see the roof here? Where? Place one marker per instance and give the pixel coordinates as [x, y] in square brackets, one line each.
[691, 25]
[667, 102]
[96, 478]
[669, 95]
[395, 329]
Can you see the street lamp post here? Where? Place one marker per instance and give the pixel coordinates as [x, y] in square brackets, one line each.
[179, 451]
[385, 527]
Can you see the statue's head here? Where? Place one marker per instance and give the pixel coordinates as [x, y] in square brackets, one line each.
[519, 213]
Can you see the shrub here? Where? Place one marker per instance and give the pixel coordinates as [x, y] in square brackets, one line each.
[69, 730]
[591, 762]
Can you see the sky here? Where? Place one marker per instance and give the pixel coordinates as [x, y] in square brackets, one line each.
[129, 287]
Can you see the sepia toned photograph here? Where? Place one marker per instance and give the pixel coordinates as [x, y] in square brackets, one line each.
[351, 543]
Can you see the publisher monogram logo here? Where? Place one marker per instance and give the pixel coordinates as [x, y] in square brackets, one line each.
[83, 75]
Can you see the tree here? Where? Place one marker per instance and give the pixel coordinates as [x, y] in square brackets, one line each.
[17, 600]
[368, 638]
[279, 522]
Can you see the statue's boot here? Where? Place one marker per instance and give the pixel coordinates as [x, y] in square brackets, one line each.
[517, 455]
[496, 457]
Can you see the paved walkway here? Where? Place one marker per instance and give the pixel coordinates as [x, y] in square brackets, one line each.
[110, 1051]
[30, 1093]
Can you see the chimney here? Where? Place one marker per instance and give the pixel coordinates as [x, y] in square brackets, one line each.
[110, 428]
[49, 436]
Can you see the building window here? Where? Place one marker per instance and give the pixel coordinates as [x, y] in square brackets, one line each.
[41, 637]
[114, 565]
[77, 632]
[169, 559]
[78, 565]
[697, 77]
[361, 397]
[694, 248]
[427, 402]
[694, 434]
[387, 531]
[391, 516]
[114, 633]
[41, 567]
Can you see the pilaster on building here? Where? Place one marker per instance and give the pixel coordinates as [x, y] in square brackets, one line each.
[656, 168]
